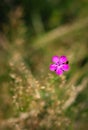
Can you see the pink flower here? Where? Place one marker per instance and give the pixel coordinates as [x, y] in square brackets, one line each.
[60, 64]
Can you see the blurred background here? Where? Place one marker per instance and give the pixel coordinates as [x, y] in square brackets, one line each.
[32, 97]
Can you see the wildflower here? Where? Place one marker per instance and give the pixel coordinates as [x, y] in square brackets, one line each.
[60, 64]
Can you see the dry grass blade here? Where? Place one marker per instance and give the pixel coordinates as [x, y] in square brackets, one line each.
[59, 32]
[78, 89]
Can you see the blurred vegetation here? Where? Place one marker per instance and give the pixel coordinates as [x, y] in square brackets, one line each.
[32, 97]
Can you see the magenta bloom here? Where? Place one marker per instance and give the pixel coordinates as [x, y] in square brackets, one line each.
[60, 64]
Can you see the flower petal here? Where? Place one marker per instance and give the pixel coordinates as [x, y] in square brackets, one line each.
[59, 71]
[63, 59]
[55, 59]
[65, 67]
[52, 67]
